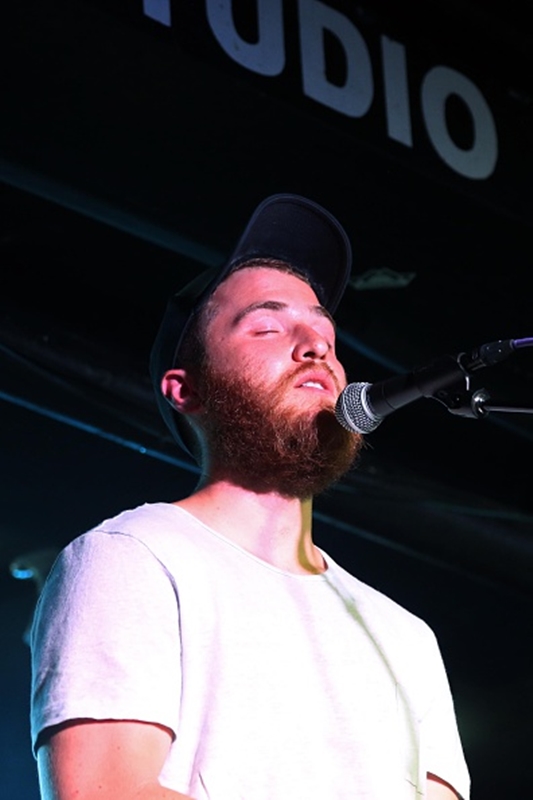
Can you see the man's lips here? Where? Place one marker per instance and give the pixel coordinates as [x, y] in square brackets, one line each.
[321, 380]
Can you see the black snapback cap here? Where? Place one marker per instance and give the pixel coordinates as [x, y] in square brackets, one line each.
[287, 227]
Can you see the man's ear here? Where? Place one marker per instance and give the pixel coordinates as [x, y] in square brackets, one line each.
[179, 389]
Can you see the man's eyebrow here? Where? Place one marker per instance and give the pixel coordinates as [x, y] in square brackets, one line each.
[323, 312]
[277, 305]
[270, 305]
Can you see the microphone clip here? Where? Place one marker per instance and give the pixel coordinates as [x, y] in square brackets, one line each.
[464, 403]
[458, 397]
[453, 390]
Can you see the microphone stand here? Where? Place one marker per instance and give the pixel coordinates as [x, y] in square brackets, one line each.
[477, 405]
[362, 406]
[458, 398]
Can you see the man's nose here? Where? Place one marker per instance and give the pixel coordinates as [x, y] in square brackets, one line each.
[310, 345]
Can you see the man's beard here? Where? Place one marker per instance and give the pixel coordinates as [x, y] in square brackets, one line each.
[261, 446]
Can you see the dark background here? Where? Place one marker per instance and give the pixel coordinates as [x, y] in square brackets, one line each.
[132, 154]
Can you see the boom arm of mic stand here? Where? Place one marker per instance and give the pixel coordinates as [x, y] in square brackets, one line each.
[476, 405]
[480, 402]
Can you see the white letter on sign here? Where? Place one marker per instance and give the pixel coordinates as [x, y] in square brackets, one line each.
[267, 56]
[355, 96]
[396, 91]
[158, 10]
[480, 160]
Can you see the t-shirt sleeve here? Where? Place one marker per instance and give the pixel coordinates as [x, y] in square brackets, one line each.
[105, 638]
[441, 746]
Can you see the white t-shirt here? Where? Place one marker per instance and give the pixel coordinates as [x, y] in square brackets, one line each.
[275, 685]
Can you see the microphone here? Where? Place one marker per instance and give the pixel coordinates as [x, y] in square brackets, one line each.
[361, 407]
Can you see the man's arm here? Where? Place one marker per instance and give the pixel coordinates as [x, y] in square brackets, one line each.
[104, 760]
[121, 760]
[439, 789]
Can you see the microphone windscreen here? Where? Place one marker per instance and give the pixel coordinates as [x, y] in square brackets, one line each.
[352, 410]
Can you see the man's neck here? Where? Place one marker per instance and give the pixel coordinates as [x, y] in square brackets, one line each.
[274, 528]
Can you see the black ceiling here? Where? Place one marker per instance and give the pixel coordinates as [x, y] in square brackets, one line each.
[133, 152]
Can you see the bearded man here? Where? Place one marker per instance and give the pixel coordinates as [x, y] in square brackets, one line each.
[208, 648]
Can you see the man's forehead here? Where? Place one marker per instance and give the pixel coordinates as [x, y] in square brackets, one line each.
[251, 284]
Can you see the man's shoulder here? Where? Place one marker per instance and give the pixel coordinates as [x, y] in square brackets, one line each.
[381, 607]
[407, 639]
[137, 520]
[156, 525]
[160, 527]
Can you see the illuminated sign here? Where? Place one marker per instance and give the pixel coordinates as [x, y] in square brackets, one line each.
[355, 95]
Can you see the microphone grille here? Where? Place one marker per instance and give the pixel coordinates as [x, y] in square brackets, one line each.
[351, 409]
